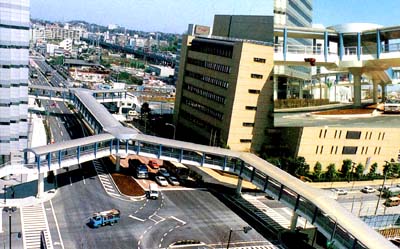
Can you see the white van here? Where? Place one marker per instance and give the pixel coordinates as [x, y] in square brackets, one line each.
[153, 191]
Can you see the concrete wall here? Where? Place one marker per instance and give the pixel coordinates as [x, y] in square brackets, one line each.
[325, 144]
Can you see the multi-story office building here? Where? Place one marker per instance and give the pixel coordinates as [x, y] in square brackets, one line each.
[14, 58]
[224, 92]
[289, 80]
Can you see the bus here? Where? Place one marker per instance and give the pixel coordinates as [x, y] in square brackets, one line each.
[177, 169]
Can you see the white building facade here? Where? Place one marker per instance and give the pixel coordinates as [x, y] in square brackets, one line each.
[14, 59]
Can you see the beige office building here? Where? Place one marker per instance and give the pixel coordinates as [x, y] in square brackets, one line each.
[224, 92]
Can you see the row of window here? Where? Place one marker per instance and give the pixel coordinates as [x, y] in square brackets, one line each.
[251, 108]
[300, 11]
[193, 119]
[351, 134]
[207, 79]
[14, 47]
[3, 141]
[13, 103]
[205, 109]
[14, 66]
[209, 65]
[205, 93]
[13, 27]
[13, 85]
[248, 124]
[212, 48]
[347, 150]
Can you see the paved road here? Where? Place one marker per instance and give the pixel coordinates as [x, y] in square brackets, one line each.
[176, 215]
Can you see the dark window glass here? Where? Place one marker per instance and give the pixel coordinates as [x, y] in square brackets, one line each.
[353, 134]
[349, 150]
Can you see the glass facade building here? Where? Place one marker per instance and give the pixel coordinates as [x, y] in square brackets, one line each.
[14, 71]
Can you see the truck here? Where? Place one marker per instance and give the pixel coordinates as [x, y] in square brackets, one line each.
[391, 192]
[139, 167]
[108, 217]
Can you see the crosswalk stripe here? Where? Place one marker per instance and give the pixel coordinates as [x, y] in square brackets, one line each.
[34, 221]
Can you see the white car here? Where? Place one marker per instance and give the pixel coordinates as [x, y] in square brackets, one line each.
[340, 191]
[161, 180]
[163, 172]
[368, 189]
[173, 181]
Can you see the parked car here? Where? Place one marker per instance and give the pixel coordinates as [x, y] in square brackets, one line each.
[164, 172]
[368, 189]
[173, 181]
[340, 191]
[161, 180]
[153, 164]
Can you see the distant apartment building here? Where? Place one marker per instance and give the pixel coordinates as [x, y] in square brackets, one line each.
[55, 32]
[14, 59]
[224, 92]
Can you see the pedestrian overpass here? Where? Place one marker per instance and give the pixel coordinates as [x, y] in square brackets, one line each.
[111, 138]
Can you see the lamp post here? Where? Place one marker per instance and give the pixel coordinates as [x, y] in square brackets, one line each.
[380, 191]
[245, 229]
[353, 167]
[329, 244]
[9, 210]
[168, 124]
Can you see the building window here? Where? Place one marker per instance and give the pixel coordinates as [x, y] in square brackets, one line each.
[370, 135]
[379, 136]
[212, 48]
[383, 136]
[202, 108]
[322, 149]
[260, 60]
[254, 91]
[208, 79]
[320, 133]
[256, 76]
[336, 149]
[325, 133]
[366, 135]
[353, 134]
[316, 150]
[204, 93]
[248, 124]
[340, 134]
[335, 134]
[366, 150]
[245, 140]
[209, 65]
[332, 149]
[252, 108]
[349, 150]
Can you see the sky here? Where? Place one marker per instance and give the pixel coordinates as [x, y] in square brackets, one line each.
[174, 15]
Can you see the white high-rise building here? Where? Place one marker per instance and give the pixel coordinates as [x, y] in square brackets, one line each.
[14, 59]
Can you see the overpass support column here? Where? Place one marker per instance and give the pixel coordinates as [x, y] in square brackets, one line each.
[40, 186]
[374, 91]
[275, 87]
[293, 221]
[301, 85]
[239, 186]
[383, 86]
[357, 87]
[117, 162]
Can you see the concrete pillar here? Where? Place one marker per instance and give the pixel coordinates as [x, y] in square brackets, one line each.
[239, 186]
[293, 221]
[275, 87]
[301, 84]
[1, 222]
[40, 189]
[374, 91]
[117, 163]
[383, 86]
[357, 88]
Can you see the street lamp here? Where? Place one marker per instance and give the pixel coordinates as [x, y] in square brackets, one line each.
[245, 229]
[9, 210]
[168, 124]
[383, 184]
[330, 242]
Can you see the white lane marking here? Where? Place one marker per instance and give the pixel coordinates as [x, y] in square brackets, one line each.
[83, 178]
[58, 228]
[181, 221]
[70, 181]
[61, 133]
[135, 218]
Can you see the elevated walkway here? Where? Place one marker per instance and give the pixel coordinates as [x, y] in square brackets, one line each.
[112, 138]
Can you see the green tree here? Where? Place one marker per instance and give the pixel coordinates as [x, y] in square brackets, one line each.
[331, 172]
[387, 168]
[300, 166]
[317, 170]
[359, 170]
[346, 167]
[395, 169]
[372, 170]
